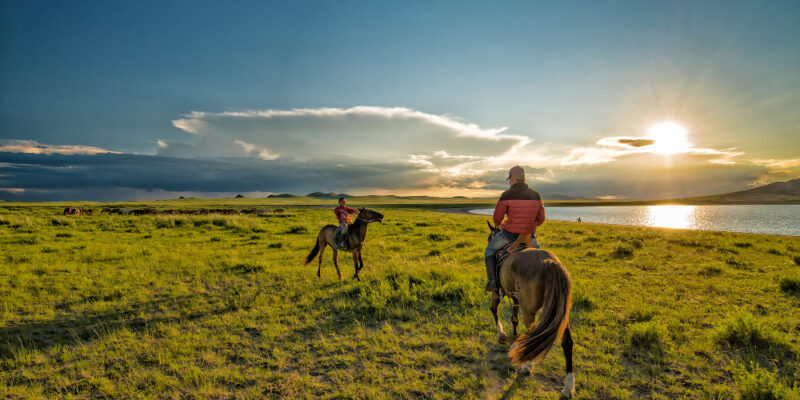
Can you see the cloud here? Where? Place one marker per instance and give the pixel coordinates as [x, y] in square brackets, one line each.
[636, 142]
[368, 133]
[777, 170]
[371, 150]
[147, 172]
[609, 149]
[262, 152]
[33, 147]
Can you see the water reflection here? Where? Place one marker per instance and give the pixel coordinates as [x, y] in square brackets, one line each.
[681, 217]
[771, 219]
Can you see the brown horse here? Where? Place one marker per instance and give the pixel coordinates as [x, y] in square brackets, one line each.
[535, 279]
[357, 234]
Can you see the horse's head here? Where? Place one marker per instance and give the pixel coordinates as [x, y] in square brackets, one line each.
[369, 215]
[493, 231]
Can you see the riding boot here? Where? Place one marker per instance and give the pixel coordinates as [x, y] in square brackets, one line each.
[491, 274]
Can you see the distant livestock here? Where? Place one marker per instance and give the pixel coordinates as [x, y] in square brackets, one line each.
[153, 211]
[77, 211]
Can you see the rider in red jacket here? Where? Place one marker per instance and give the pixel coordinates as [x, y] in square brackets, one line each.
[524, 212]
[343, 213]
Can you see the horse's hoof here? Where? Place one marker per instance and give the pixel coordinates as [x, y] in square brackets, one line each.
[526, 370]
[569, 387]
[502, 338]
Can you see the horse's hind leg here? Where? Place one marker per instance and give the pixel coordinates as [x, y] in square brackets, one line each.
[361, 265]
[322, 246]
[355, 265]
[529, 319]
[336, 263]
[515, 316]
[496, 299]
[569, 381]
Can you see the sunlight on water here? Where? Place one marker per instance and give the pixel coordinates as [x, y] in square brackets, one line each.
[681, 217]
[772, 219]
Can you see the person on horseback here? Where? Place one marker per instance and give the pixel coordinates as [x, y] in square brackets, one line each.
[343, 215]
[524, 212]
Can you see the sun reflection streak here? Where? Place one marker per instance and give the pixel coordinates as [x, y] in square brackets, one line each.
[680, 217]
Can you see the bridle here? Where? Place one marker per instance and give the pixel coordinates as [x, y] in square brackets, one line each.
[367, 220]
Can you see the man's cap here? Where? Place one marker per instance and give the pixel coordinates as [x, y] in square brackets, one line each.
[516, 172]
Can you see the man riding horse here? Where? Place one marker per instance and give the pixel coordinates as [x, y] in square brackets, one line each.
[524, 212]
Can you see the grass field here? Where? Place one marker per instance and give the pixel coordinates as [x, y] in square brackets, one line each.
[221, 307]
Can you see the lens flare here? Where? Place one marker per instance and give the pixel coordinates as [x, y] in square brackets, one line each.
[668, 137]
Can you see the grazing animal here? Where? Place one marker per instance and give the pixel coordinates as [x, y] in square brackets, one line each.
[355, 241]
[72, 211]
[535, 279]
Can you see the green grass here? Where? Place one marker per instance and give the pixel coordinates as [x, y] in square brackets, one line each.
[222, 307]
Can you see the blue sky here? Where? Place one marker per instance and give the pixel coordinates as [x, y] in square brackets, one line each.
[405, 97]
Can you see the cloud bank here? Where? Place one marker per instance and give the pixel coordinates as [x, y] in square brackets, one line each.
[370, 150]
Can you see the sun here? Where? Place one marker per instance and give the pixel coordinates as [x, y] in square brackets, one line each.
[668, 137]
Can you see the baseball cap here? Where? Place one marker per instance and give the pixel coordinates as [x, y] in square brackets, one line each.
[517, 172]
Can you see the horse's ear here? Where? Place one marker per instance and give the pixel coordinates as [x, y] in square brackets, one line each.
[490, 226]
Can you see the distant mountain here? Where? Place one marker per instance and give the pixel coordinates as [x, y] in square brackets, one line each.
[557, 196]
[331, 195]
[282, 196]
[773, 193]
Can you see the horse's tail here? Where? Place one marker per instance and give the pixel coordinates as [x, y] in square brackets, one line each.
[554, 318]
[314, 252]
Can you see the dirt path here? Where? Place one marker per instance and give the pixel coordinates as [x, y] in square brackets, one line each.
[495, 383]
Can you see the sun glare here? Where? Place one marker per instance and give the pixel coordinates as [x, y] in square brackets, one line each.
[669, 137]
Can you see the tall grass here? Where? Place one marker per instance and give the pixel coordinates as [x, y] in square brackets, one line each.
[213, 306]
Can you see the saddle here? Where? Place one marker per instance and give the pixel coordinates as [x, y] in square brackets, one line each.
[523, 241]
[339, 238]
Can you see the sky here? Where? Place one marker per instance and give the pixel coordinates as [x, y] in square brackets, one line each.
[116, 101]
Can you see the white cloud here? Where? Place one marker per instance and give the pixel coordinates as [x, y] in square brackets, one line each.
[609, 149]
[196, 121]
[262, 152]
[777, 163]
[33, 147]
[248, 147]
[363, 133]
[266, 155]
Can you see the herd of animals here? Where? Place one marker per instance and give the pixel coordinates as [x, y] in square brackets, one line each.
[154, 211]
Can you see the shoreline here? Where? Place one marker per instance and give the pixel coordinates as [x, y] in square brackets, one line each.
[466, 211]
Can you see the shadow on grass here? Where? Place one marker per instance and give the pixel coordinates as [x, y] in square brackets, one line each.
[516, 385]
[87, 326]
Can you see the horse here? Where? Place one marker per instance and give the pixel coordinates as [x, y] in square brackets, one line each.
[357, 233]
[535, 279]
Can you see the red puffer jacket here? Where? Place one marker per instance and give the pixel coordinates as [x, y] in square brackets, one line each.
[523, 208]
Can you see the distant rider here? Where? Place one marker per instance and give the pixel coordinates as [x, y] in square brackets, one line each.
[343, 215]
[524, 212]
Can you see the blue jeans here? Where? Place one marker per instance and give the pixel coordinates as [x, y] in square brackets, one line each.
[501, 239]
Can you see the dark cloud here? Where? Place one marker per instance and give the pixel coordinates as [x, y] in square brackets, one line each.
[61, 172]
[636, 142]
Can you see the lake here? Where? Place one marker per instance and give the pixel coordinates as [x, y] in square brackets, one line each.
[770, 219]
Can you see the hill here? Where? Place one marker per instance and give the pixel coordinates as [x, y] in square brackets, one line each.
[773, 193]
[330, 196]
[282, 196]
[558, 196]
